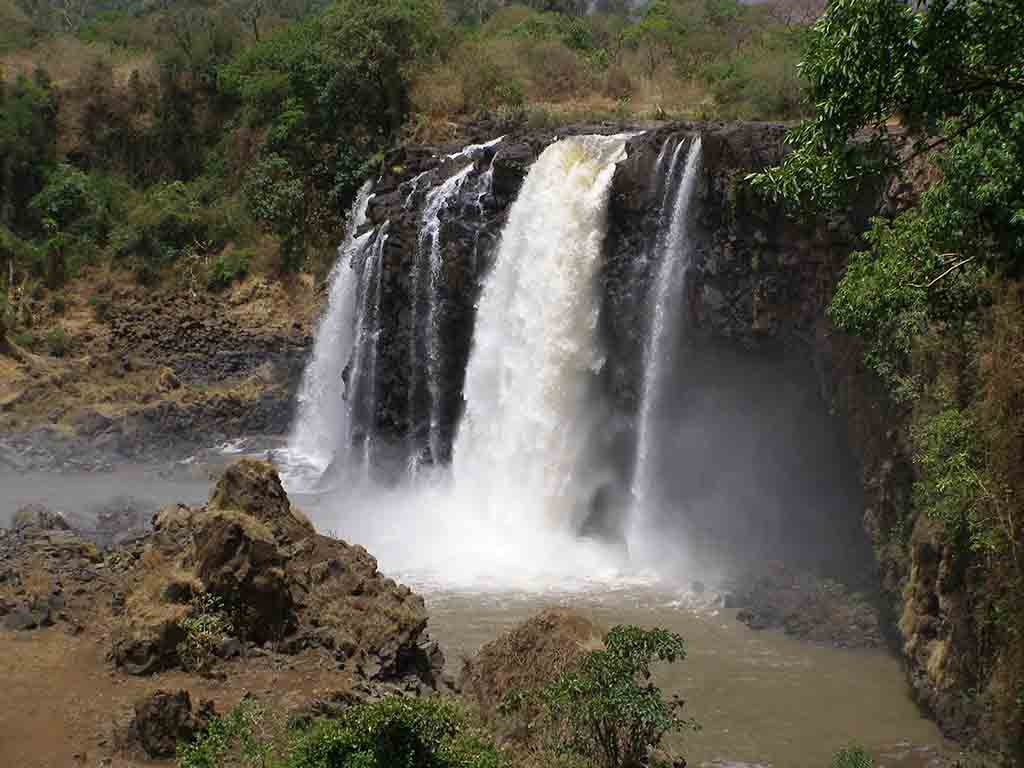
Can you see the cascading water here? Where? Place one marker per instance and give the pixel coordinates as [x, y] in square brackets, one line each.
[522, 451]
[363, 375]
[436, 202]
[673, 252]
[323, 425]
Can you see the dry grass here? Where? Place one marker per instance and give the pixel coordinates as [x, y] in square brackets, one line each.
[145, 606]
[66, 59]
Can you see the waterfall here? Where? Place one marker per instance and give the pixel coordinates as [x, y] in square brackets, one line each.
[522, 453]
[673, 252]
[429, 248]
[363, 376]
[323, 423]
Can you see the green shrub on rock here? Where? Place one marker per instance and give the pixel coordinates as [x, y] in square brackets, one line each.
[57, 342]
[205, 629]
[606, 710]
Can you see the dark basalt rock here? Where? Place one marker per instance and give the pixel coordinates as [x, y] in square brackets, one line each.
[759, 278]
[164, 719]
[296, 588]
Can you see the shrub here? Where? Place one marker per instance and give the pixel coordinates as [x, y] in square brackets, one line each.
[245, 731]
[606, 710]
[57, 342]
[392, 733]
[226, 268]
[205, 629]
[852, 757]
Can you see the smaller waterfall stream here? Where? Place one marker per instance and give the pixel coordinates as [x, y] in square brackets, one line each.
[323, 424]
[668, 301]
[363, 374]
[436, 202]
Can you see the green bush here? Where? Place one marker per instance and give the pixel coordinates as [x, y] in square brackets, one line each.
[392, 733]
[226, 268]
[75, 204]
[206, 627]
[852, 757]
[395, 732]
[57, 342]
[606, 709]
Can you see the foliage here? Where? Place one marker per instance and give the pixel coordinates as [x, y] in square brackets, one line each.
[951, 67]
[934, 92]
[57, 341]
[226, 268]
[328, 93]
[206, 627]
[28, 131]
[852, 757]
[606, 709]
[952, 487]
[391, 733]
[242, 731]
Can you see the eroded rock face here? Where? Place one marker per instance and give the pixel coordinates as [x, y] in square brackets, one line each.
[282, 582]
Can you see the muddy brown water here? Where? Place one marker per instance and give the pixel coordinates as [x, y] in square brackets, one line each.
[761, 698]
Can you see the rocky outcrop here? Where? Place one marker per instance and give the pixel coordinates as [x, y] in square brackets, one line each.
[280, 582]
[154, 375]
[164, 719]
[808, 608]
[527, 658]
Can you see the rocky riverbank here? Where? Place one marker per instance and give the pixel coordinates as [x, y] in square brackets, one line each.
[147, 375]
[237, 597]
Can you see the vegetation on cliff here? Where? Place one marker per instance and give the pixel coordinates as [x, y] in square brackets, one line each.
[198, 142]
[936, 296]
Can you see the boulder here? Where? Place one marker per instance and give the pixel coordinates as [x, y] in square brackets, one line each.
[32, 615]
[39, 517]
[808, 608]
[163, 719]
[238, 559]
[527, 658]
[254, 487]
[146, 646]
[279, 579]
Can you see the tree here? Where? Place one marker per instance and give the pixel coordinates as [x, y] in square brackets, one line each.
[952, 75]
[327, 93]
[606, 709]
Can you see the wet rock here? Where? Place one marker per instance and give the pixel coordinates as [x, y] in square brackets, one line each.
[818, 610]
[163, 719]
